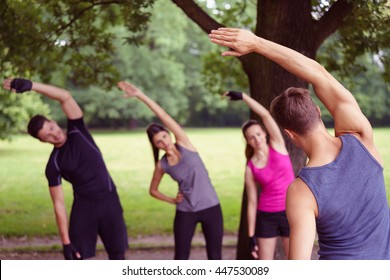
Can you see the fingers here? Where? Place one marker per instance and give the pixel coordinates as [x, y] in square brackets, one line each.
[122, 85]
[78, 255]
[7, 83]
[255, 255]
[231, 53]
[179, 197]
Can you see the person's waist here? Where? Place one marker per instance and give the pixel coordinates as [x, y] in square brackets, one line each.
[94, 196]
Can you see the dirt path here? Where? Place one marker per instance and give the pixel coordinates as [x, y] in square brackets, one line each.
[141, 248]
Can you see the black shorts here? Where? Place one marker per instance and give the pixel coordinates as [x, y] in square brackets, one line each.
[103, 217]
[271, 224]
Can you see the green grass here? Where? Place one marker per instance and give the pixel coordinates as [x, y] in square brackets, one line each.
[25, 204]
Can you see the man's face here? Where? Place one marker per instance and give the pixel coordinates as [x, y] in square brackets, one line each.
[52, 133]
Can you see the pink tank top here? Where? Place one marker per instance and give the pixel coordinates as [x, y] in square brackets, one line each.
[274, 180]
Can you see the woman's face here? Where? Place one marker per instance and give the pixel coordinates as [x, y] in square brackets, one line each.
[162, 140]
[255, 136]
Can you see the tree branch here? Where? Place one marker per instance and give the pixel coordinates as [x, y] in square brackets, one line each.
[332, 20]
[196, 13]
[205, 22]
[81, 12]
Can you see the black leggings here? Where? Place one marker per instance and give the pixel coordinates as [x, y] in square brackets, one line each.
[212, 227]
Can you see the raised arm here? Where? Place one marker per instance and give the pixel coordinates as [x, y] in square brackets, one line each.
[275, 135]
[181, 137]
[339, 101]
[68, 104]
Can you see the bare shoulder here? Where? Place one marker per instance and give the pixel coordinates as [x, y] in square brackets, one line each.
[300, 196]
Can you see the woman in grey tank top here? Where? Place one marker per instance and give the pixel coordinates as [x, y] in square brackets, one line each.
[196, 201]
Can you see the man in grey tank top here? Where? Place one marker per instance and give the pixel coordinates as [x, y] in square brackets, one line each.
[337, 195]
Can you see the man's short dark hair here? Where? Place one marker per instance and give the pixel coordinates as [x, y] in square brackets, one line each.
[294, 109]
[35, 125]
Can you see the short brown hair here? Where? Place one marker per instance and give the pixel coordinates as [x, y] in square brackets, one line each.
[294, 109]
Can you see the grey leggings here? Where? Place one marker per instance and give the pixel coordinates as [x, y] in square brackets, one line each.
[212, 227]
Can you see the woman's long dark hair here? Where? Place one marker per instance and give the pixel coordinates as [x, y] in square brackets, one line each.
[152, 130]
[248, 149]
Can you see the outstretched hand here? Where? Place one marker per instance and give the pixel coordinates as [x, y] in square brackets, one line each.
[17, 85]
[129, 89]
[233, 95]
[240, 41]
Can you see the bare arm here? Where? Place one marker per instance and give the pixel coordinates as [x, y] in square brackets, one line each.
[301, 208]
[251, 192]
[153, 190]
[168, 121]
[338, 100]
[57, 196]
[276, 137]
[68, 104]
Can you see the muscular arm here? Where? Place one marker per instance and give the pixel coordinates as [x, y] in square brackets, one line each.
[338, 100]
[68, 104]
[57, 197]
[181, 137]
[276, 137]
[153, 190]
[301, 208]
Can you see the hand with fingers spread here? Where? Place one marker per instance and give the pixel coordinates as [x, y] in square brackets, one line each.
[240, 41]
[234, 95]
[129, 89]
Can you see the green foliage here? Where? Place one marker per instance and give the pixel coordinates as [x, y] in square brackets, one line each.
[26, 210]
[42, 36]
[364, 80]
[75, 44]
[168, 69]
[367, 30]
[16, 110]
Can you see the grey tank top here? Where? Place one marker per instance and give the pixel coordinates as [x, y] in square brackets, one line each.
[353, 213]
[193, 180]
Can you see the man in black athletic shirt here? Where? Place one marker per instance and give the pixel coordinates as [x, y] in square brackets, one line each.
[96, 208]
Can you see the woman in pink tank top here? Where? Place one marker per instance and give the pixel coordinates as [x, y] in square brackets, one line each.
[269, 166]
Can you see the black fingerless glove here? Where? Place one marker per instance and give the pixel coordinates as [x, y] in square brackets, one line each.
[21, 85]
[252, 243]
[69, 252]
[234, 95]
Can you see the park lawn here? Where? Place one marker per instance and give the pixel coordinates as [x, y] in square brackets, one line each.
[25, 205]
